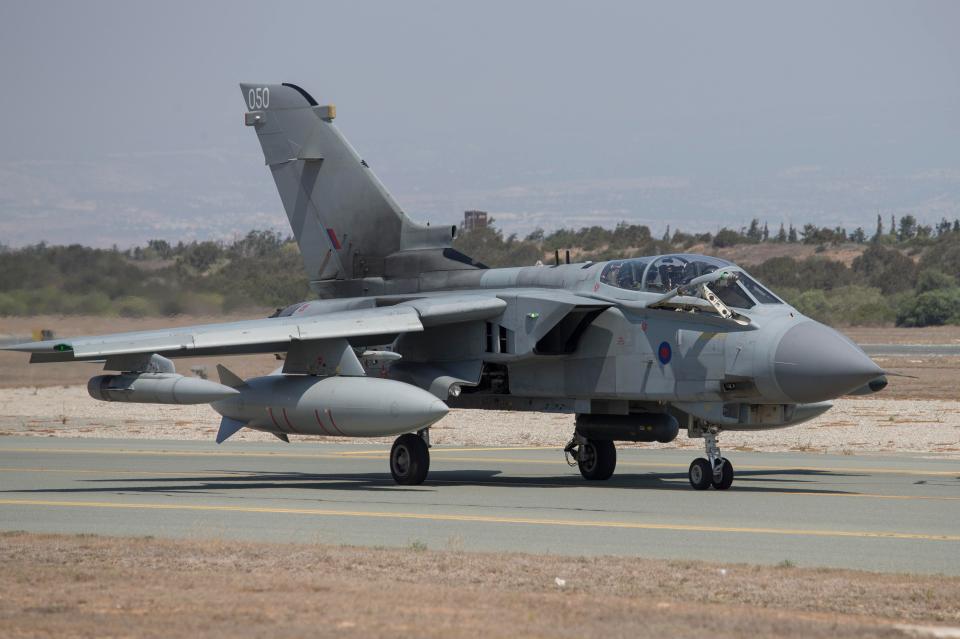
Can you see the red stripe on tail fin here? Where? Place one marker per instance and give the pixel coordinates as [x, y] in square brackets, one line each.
[333, 239]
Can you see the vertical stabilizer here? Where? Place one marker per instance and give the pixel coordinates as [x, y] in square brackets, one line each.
[342, 217]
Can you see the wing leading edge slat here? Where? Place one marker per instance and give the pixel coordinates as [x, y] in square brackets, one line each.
[249, 336]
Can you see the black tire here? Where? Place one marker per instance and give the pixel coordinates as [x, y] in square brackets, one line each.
[597, 459]
[726, 475]
[409, 460]
[701, 474]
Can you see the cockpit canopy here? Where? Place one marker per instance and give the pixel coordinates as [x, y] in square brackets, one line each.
[667, 272]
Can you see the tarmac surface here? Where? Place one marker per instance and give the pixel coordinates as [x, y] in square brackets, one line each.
[885, 512]
[911, 350]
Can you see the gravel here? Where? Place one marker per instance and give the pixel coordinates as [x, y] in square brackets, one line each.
[854, 425]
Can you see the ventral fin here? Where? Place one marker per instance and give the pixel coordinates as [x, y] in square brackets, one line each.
[227, 428]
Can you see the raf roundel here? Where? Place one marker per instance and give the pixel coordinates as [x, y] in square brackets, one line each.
[664, 353]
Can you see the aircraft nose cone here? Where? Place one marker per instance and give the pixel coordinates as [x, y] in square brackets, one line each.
[814, 363]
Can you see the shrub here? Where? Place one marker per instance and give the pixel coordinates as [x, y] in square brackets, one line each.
[933, 308]
[932, 280]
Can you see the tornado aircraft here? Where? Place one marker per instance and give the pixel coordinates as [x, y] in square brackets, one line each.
[404, 326]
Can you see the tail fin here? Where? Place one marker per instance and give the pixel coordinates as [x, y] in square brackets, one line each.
[342, 217]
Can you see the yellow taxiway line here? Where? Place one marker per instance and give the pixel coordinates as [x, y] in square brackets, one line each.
[123, 471]
[485, 519]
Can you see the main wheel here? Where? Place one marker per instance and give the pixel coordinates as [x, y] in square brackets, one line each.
[409, 460]
[726, 475]
[701, 474]
[597, 458]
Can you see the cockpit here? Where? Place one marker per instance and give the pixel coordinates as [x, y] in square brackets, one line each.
[667, 272]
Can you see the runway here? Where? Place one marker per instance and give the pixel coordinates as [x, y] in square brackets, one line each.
[911, 350]
[888, 513]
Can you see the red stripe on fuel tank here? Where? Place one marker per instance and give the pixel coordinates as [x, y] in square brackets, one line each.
[330, 415]
[317, 413]
[274, 419]
[287, 419]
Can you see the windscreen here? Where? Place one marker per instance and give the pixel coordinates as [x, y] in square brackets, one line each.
[668, 272]
[759, 293]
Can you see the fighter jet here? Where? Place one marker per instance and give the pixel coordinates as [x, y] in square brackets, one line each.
[406, 326]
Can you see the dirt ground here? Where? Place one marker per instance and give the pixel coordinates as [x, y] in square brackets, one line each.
[89, 586]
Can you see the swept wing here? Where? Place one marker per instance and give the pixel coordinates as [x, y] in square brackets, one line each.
[267, 335]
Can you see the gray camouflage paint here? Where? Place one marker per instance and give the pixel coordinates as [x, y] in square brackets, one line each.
[719, 371]
[546, 338]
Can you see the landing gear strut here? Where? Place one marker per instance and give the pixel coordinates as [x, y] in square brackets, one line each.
[715, 470]
[410, 458]
[596, 458]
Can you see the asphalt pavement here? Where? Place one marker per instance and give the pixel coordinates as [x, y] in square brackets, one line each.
[911, 350]
[889, 512]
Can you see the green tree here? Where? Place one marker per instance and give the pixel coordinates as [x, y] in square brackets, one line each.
[908, 228]
[727, 237]
[885, 268]
[781, 234]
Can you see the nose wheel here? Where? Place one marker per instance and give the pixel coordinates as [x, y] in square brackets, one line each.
[715, 470]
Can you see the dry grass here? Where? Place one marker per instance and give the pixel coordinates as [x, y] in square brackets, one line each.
[100, 586]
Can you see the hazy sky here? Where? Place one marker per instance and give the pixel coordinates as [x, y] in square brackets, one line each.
[122, 121]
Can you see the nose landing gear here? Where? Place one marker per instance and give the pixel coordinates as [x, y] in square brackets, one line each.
[715, 470]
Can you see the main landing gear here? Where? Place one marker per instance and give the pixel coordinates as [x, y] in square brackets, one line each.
[410, 458]
[596, 458]
[715, 470]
